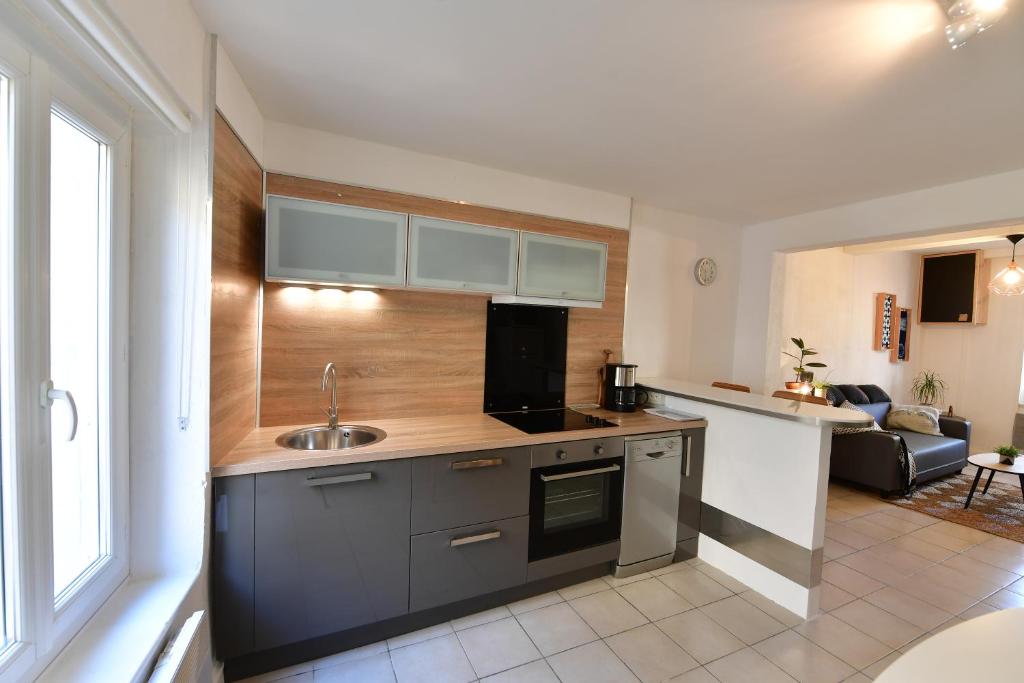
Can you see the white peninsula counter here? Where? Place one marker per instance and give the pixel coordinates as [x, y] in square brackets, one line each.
[765, 486]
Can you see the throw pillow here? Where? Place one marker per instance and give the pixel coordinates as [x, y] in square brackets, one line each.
[920, 419]
[853, 393]
[856, 430]
[875, 393]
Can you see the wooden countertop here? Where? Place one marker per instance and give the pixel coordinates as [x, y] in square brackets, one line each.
[417, 436]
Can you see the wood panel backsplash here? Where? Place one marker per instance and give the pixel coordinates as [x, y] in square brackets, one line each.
[405, 353]
[236, 266]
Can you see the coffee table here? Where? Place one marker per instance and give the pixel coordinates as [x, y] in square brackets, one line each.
[990, 461]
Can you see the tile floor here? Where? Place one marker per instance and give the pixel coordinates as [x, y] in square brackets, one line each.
[892, 577]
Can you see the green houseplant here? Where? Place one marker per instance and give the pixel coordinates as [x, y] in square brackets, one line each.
[1007, 454]
[802, 373]
[928, 388]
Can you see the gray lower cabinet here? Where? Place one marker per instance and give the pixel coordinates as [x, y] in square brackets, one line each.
[456, 564]
[692, 477]
[231, 583]
[465, 488]
[331, 549]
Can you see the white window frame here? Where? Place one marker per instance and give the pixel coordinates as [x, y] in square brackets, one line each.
[39, 626]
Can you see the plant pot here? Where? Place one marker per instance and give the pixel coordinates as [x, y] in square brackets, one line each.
[821, 393]
[806, 377]
[1007, 459]
[794, 386]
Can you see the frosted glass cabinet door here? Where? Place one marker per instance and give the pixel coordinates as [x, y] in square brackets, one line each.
[309, 241]
[561, 267]
[451, 255]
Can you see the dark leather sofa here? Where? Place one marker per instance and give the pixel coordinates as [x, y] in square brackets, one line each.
[871, 459]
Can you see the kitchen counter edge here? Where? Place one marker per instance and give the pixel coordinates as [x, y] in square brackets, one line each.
[258, 452]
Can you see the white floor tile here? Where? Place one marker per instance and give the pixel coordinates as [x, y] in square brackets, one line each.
[585, 588]
[747, 665]
[350, 655]
[654, 599]
[372, 669]
[439, 660]
[608, 613]
[479, 618]
[590, 663]
[497, 646]
[650, 654]
[556, 628]
[535, 602]
[534, 672]
[700, 636]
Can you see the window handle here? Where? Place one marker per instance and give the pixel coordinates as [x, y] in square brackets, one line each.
[47, 395]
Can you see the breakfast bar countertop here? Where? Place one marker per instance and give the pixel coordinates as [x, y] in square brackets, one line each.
[782, 408]
[410, 437]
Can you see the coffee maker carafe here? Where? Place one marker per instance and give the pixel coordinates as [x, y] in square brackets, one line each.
[620, 392]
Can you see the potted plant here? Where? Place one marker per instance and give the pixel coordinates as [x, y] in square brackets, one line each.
[1007, 454]
[803, 375]
[928, 388]
[820, 387]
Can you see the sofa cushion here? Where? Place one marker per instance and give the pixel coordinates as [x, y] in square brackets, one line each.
[876, 410]
[921, 419]
[874, 393]
[853, 393]
[932, 452]
[835, 396]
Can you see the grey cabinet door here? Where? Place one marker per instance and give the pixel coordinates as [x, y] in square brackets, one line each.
[331, 549]
[691, 484]
[232, 565]
[456, 564]
[467, 488]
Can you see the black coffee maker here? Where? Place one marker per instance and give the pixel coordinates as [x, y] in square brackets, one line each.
[620, 392]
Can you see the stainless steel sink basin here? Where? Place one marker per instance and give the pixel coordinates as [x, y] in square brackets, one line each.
[330, 439]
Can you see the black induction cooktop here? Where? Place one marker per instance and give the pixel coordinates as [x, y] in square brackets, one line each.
[558, 420]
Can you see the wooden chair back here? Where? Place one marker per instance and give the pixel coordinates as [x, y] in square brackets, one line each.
[734, 387]
[797, 396]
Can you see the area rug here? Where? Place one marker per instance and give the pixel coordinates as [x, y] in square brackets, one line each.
[999, 512]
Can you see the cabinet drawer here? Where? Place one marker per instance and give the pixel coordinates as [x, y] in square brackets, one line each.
[459, 489]
[331, 549]
[448, 566]
[564, 452]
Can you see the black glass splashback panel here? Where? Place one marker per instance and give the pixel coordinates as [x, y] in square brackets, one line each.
[525, 362]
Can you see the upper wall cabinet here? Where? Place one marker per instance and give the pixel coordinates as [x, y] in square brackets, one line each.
[561, 267]
[310, 241]
[451, 255]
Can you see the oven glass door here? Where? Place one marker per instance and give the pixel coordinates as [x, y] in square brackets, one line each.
[575, 506]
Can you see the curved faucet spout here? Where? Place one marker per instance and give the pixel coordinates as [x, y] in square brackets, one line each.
[332, 412]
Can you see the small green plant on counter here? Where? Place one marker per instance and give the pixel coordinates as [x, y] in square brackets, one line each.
[801, 367]
[928, 388]
[1007, 454]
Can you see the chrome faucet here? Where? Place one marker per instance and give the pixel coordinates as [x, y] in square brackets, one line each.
[332, 412]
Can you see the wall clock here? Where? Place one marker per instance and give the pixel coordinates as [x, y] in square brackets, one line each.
[705, 271]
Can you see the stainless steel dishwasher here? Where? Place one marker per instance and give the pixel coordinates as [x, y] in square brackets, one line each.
[650, 501]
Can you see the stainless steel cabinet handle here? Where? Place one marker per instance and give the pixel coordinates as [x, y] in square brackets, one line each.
[475, 538]
[584, 473]
[340, 479]
[477, 464]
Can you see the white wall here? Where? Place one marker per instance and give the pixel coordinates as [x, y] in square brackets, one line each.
[317, 154]
[990, 200]
[172, 38]
[982, 366]
[237, 105]
[828, 300]
[675, 327]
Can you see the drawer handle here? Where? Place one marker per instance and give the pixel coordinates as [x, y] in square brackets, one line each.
[584, 473]
[340, 479]
[475, 538]
[477, 464]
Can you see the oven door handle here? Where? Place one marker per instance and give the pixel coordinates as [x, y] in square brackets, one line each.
[583, 473]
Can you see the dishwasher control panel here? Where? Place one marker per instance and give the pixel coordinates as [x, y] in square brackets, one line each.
[653, 446]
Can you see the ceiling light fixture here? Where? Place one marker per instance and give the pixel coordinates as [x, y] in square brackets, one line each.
[968, 18]
[1010, 280]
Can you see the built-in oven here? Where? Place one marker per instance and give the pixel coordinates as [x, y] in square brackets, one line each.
[575, 496]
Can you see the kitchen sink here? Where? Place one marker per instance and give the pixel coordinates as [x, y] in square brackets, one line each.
[330, 438]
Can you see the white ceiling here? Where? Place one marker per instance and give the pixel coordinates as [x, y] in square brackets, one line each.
[741, 110]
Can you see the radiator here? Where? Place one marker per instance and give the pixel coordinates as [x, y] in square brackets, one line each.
[187, 658]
